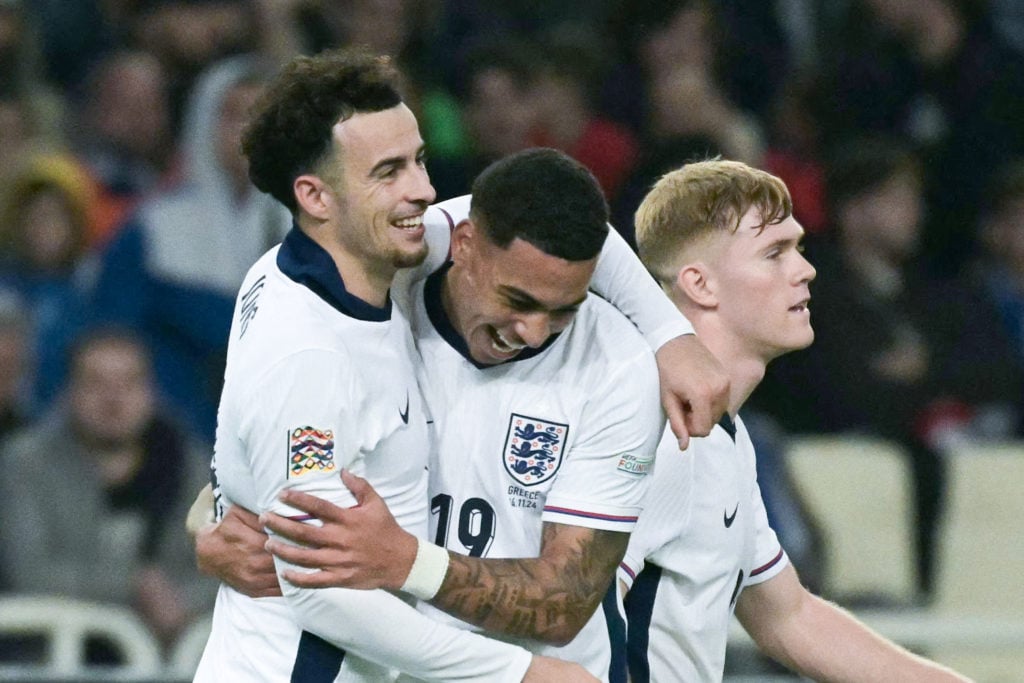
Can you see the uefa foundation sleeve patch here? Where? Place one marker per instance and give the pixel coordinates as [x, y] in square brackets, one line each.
[634, 464]
[310, 451]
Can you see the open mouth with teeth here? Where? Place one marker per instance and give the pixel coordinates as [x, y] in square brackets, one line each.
[502, 345]
[800, 307]
[410, 223]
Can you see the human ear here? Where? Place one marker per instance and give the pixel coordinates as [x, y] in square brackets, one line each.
[463, 238]
[313, 196]
[696, 282]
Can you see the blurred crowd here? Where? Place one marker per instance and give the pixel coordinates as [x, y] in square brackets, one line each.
[127, 222]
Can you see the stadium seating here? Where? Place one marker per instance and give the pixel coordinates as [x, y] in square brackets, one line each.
[66, 625]
[858, 489]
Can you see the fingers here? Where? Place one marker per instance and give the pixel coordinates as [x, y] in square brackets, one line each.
[299, 556]
[700, 419]
[318, 507]
[308, 579]
[240, 514]
[676, 412]
[359, 487]
[296, 532]
[270, 592]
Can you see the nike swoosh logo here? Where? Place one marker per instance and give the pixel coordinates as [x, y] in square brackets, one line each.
[405, 415]
[729, 519]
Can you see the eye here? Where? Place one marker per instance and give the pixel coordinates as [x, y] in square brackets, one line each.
[421, 159]
[519, 305]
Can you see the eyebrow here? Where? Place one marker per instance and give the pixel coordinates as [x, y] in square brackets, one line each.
[395, 161]
[515, 292]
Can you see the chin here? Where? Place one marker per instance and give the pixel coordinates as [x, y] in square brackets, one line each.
[410, 260]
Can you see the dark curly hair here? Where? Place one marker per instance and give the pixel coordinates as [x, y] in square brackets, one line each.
[290, 129]
[543, 197]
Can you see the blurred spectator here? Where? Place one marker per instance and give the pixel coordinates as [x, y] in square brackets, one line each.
[794, 151]
[896, 353]
[687, 112]
[463, 24]
[500, 110]
[188, 36]
[72, 36]
[565, 91]
[44, 219]
[30, 112]
[94, 496]
[16, 133]
[934, 72]
[999, 273]
[173, 271]
[15, 356]
[122, 134]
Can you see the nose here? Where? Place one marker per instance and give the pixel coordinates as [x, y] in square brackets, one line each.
[807, 272]
[533, 328]
[420, 191]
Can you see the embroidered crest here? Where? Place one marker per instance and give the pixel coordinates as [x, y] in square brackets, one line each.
[533, 448]
[309, 451]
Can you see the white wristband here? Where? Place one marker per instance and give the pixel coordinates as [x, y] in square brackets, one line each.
[428, 571]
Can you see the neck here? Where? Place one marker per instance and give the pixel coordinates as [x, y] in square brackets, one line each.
[367, 281]
[448, 298]
[744, 366]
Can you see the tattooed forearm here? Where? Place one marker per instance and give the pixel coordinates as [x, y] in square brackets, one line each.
[548, 598]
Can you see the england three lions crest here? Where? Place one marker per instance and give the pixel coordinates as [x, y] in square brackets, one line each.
[533, 448]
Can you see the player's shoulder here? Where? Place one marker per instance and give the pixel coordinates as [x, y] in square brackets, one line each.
[451, 211]
[614, 335]
[276, 317]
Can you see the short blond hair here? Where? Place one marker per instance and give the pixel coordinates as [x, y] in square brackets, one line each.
[694, 201]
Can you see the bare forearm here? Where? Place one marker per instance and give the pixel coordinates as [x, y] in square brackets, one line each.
[548, 598]
[829, 644]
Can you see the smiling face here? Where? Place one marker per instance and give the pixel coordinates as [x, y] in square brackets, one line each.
[760, 283]
[504, 300]
[380, 188]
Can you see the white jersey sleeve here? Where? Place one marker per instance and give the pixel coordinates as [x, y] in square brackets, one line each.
[769, 558]
[603, 482]
[621, 278]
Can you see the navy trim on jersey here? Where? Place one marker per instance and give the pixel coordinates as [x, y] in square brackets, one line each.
[617, 669]
[729, 426]
[316, 660]
[435, 311]
[639, 604]
[309, 264]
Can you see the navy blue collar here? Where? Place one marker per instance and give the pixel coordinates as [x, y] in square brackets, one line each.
[729, 426]
[306, 262]
[443, 324]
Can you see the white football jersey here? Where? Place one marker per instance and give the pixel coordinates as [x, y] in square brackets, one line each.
[317, 381]
[703, 536]
[563, 434]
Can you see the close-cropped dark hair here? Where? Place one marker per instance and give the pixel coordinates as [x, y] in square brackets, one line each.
[290, 129]
[543, 197]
